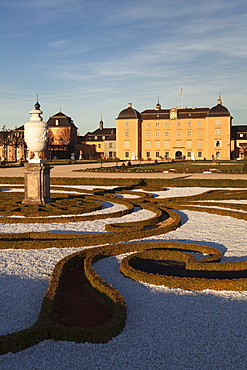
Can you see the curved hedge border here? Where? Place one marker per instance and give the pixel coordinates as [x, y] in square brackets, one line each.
[204, 264]
[76, 214]
[47, 328]
[35, 240]
[138, 225]
[197, 203]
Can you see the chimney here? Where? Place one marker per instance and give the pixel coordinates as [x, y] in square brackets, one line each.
[129, 105]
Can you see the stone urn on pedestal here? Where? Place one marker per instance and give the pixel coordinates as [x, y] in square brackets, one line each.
[36, 171]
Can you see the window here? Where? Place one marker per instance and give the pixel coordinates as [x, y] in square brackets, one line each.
[189, 154]
[199, 132]
[157, 124]
[217, 131]
[189, 143]
[189, 124]
[217, 143]
[126, 124]
[110, 145]
[178, 143]
[166, 124]
[199, 144]
[157, 144]
[95, 137]
[126, 154]
[167, 144]
[199, 154]
[126, 144]
[157, 154]
[178, 133]
[126, 133]
[199, 123]
[217, 122]
[99, 145]
[148, 144]
[103, 137]
[148, 133]
[217, 154]
[157, 133]
[178, 124]
[147, 124]
[148, 154]
[56, 122]
[189, 133]
[167, 133]
[241, 135]
[167, 154]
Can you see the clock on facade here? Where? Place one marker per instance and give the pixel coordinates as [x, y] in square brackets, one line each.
[173, 114]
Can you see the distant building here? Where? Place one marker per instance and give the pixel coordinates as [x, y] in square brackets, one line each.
[12, 144]
[191, 133]
[104, 140]
[62, 136]
[239, 136]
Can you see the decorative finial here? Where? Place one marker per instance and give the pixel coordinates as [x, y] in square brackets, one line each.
[219, 99]
[158, 106]
[101, 123]
[37, 105]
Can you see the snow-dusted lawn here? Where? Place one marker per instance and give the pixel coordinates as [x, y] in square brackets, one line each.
[165, 329]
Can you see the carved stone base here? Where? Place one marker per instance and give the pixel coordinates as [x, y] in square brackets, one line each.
[37, 183]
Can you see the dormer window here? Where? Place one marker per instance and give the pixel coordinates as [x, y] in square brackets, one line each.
[56, 122]
[95, 137]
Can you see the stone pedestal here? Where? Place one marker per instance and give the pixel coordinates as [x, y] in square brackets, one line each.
[37, 183]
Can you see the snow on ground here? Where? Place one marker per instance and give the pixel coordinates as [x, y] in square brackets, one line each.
[217, 207]
[96, 226]
[165, 328]
[184, 192]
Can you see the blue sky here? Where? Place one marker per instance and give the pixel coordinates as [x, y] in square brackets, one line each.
[89, 57]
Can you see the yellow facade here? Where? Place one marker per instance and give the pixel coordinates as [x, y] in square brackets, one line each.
[191, 133]
[128, 134]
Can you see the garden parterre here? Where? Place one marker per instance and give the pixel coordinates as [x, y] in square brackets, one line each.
[165, 327]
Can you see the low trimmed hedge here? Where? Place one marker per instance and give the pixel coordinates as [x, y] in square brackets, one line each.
[139, 225]
[194, 283]
[158, 183]
[69, 211]
[47, 328]
[35, 240]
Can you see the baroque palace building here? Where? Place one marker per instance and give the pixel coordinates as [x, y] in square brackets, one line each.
[104, 140]
[191, 133]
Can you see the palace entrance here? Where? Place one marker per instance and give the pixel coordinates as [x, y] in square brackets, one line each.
[178, 154]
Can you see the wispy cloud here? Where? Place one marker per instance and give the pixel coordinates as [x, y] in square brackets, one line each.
[105, 51]
[58, 44]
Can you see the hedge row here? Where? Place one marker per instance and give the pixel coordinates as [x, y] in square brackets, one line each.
[46, 326]
[197, 203]
[35, 240]
[138, 225]
[142, 183]
[195, 283]
[92, 203]
[211, 210]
